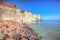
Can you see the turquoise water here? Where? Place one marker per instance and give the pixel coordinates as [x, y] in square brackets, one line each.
[50, 30]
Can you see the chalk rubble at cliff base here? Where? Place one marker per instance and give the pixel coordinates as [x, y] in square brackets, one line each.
[11, 30]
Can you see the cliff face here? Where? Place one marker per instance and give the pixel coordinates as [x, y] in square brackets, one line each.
[12, 13]
[8, 12]
[12, 26]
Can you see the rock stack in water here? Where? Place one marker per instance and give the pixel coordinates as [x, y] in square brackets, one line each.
[11, 27]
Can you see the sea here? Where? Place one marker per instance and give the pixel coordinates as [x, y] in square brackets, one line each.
[48, 29]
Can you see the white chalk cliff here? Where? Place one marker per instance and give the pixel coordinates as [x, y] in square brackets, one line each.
[13, 13]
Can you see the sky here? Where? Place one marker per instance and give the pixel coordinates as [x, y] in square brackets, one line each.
[49, 10]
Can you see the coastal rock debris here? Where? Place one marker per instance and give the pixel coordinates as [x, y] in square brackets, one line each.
[11, 30]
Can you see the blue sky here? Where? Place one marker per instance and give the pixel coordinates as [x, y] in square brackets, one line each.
[49, 10]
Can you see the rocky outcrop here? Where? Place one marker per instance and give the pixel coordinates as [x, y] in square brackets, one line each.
[12, 26]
